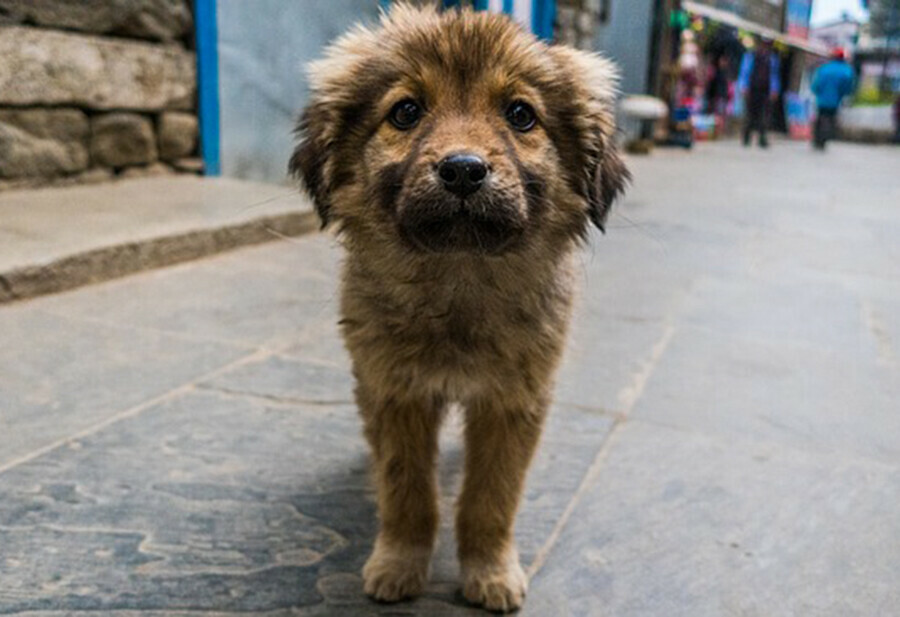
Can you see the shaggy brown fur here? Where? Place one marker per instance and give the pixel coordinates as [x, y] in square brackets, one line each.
[448, 299]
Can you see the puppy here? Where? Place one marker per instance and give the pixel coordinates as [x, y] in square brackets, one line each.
[461, 162]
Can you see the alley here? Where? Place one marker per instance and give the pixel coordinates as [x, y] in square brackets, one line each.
[725, 438]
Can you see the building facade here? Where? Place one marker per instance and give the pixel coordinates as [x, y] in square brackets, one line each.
[255, 86]
[766, 13]
[842, 33]
[884, 17]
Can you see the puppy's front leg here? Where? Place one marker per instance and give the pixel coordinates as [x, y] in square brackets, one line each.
[500, 442]
[403, 434]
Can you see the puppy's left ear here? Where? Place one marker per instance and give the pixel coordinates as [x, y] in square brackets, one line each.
[310, 157]
[609, 178]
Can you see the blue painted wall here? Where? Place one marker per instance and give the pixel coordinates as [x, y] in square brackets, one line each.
[626, 39]
[263, 47]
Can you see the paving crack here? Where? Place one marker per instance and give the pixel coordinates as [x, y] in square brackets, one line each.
[135, 410]
[270, 398]
[628, 396]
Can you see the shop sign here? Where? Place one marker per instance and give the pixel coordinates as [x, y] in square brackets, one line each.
[797, 18]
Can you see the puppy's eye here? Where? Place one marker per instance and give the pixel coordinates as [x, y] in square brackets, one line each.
[405, 114]
[521, 116]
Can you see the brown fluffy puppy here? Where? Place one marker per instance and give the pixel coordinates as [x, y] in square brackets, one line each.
[461, 161]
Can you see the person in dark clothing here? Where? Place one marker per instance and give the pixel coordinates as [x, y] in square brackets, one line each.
[760, 83]
[831, 83]
[897, 120]
[717, 88]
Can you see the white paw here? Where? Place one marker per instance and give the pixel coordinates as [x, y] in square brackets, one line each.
[395, 573]
[496, 587]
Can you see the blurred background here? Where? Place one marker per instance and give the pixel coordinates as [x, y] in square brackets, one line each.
[103, 88]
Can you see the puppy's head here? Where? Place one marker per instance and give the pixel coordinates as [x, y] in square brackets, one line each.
[458, 131]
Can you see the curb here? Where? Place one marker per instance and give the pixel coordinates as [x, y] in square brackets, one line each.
[120, 260]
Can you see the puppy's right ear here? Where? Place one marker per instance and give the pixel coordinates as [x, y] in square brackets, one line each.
[339, 91]
[310, 158]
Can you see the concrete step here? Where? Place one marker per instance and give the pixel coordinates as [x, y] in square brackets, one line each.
[59, 238]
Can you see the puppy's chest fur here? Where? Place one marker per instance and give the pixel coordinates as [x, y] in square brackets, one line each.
[457, 327]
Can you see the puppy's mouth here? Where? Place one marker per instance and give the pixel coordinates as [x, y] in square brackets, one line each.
[459, 227]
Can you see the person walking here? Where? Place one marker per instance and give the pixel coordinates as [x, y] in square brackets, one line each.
[831, 83]
[759, 81]
[717, 93]
[897, 120]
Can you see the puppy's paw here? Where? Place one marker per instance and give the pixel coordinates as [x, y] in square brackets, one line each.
[395, 573]
[497, 587]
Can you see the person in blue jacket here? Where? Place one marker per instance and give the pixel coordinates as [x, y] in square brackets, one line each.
[831, 83]
[759, 81]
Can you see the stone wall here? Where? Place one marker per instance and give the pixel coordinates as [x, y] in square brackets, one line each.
[95, 89]
[577, 22]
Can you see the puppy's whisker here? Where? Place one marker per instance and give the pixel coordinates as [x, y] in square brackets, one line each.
[281, 236]
[269, 200]
[641, 228]
[478, 239]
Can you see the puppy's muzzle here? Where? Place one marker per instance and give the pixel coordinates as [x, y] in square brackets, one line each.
[460, 231]
[461, 211]
[449, 224]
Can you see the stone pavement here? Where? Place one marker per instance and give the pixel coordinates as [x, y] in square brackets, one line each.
[726, 437]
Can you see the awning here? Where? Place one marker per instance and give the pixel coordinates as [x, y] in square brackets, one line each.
[730, 19]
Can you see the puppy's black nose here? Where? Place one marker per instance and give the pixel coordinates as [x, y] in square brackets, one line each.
[462, 174]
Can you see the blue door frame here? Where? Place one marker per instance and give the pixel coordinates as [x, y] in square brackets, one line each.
[543, 13]
[206, 31]
[543, 16]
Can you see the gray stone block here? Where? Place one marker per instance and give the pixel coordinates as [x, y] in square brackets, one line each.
[566, 16]
[92, 175]
[791, 394]
[220, 502]
[43, 67]
[685, 525]
[147, 171]
[191, 165]
[287, 380]
[151, 19]
[122, 139]
[59, 376]
[569, 447]
[585, 23]
[177, 135]
[602, 359]
[42, 142]
[806, 310]
[274, 295]
[321, 341]
[224, 519]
